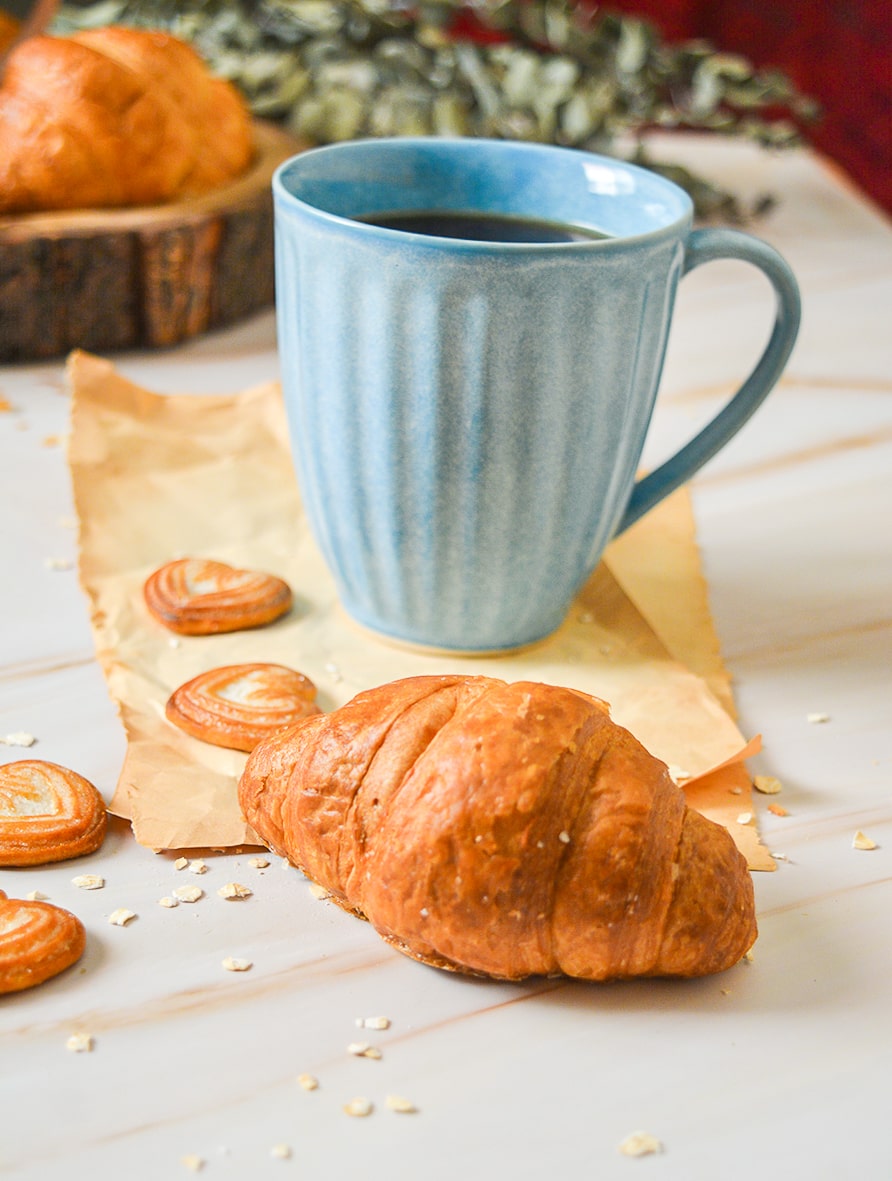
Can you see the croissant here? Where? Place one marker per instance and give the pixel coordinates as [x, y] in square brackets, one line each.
[504, 830]
[115, 117]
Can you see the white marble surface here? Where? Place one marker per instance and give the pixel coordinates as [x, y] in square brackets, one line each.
[779, 1068]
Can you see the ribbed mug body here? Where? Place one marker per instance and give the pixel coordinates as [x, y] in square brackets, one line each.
[466, 419]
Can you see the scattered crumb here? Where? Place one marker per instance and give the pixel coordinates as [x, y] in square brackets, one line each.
[36, 896]
[58, 563]
[52, 440]
[640, 1144]
[862, 841]
[121, 917]
[309, 1082]
[398, 1103]
[767, 785]
[564, 837]
[197, 867]
[373, 1022]
[748, 957]
[363, 1050]
[779, 856]
[816, 719]
[188, 893]
[777, 810]
[174, 642]
[19, 738]
[259, 863]
[359, 1107]
[678, 774]
[80, 1043]
[725, 991]
[233, 964]
[234, 890]
[88, 881]
[319, 891]
[181, 863]
[744, 818]
[168, 902]
[192, 1162]
[280, 1151]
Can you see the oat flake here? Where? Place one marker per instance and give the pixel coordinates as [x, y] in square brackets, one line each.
[188, 893]
[88, 881]
[640, 1144]
[363, 1050]
[192, 1162]
[121, 917]
[280, 1151]
[259, 863]
[863, 841]
[181, 863]
[197, 867]
[309, 1082]
[80, 1043]
[359, 1107]
[398, 1103]
[233, 964]
[36, 896]
[767, 785]
[373, 1022]
[234, 890]
[19, 738]
[168, 902]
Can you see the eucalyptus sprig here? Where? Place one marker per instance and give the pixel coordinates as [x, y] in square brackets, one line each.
[543, 70]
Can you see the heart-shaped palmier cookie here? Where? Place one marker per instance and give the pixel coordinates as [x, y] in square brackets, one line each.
[241, 704]
[37, 941]
[47, 813]
[198, 597]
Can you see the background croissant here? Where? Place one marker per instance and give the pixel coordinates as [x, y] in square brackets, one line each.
[115, 117]
[503, 829]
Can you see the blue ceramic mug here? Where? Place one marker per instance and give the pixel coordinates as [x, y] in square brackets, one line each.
[471, 336]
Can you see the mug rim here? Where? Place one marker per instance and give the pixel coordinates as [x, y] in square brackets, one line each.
[288, 203]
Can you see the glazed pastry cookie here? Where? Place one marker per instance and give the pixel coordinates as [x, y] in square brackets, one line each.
[241, 704]
[199, 597]
[37, 941]
[47, 813]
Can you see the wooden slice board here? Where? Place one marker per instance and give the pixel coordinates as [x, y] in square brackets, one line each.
[146, 277]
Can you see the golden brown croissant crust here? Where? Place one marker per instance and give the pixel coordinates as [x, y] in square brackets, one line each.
[503, 829]
[115, 117]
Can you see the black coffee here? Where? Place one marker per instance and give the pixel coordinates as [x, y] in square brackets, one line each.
[481, 227]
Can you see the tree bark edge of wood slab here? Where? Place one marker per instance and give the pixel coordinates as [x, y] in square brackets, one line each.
[107, 280]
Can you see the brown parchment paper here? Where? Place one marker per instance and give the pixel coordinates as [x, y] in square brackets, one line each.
[157, 477]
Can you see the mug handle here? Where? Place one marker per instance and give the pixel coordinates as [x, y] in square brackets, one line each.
[706, 246]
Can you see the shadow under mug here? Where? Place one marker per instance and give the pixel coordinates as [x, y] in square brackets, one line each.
[467, 416]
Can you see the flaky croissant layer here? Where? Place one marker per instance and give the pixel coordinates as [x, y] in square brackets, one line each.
[503, 829]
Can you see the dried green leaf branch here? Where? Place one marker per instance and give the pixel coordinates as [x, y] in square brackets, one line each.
[543, 70]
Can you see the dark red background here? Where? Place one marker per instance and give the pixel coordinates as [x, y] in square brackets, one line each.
[838, 51]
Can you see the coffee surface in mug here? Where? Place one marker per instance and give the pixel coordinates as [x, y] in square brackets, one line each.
[481, 227]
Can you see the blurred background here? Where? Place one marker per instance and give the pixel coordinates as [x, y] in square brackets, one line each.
[838, 51]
